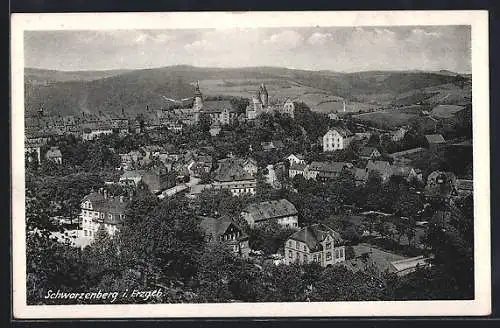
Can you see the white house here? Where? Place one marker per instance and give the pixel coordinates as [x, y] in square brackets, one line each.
[315, 243]
[336, 139]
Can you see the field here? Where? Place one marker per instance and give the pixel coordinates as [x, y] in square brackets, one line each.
[387, 118]
[446, 111]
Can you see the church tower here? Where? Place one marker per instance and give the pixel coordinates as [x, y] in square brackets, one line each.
[198, 98]
[264, 96]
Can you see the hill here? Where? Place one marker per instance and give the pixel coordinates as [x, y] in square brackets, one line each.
[133, 90]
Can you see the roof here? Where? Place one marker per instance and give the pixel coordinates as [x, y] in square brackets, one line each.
[405, 264]
[231, 169]
[343, 132]
[359, 174]
[367, 151]
[130, 175]
[382, 167]
[434, 138]
[463, 184]
[53, 152]
[109, 205]
[217, 226]
[271, 209]
[314, 234]
[332, 167]
[297, 166]
[217, 106]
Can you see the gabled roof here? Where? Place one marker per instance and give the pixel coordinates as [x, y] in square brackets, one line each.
[271, 209]
[342, 131]
[231, 170]
[367, 151]
[463, 184]
[314, 234]
[53, 152]
[109, 205]
[382, 167]
[297, 166]
[434, 138]
[359, 174]
[216, 227]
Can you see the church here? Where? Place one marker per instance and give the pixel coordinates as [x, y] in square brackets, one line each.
[260, 104]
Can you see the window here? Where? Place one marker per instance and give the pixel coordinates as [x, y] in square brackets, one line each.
[341, 252]
[305, 258]
[304, 248]
[290, 254]
[328, 256]
[290, 243]
[337, 254]
[328, 245]
[85, 232]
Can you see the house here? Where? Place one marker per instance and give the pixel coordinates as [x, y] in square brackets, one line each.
[440, 185]
[333, 116]
[231, 175]
[214, 130]
[331, 170]
[289, 108]
[220, 111]
[315, 243]
[336, 139]
[296, 168]
[272, 145]
[281, 211]
[156, 179]
[435, 142]
[94, 130]
[464, 187]
[399, 134]
[407, 172]
[223, 231]
[369, 153]
[54, 155]
[383, 168]
[32, 150]
[360, 176]
[99, 209]
[296, 159]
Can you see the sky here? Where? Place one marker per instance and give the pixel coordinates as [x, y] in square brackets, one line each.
[342, 49]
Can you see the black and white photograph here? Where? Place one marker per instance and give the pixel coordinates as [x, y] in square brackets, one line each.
[250, 164]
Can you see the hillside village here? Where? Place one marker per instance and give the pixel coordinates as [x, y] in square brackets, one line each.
[241, 199]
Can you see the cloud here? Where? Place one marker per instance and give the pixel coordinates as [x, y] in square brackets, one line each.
[287, 39]
[318, 38]
[199, 45]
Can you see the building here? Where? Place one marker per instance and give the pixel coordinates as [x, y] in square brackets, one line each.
[383, 168]
[399, 134]
[156, 179]
[289, 108]
[464, 187]
[297, 168]
[54, 155]
[331, 170]
[223, 231]
[315, 243]
[219, 111]
[360, 176]
[99, 209]
[93, 131]
[407, 172]
[336, 139]
[406, 266]
[295, 159]
[333, 116]
[369, 153]
[32, 151]
[435, 142]
[235, 175]
[440, 185]
[280, 211]
[272, 145]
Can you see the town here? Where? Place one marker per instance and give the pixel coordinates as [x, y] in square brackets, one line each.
[250, 199]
